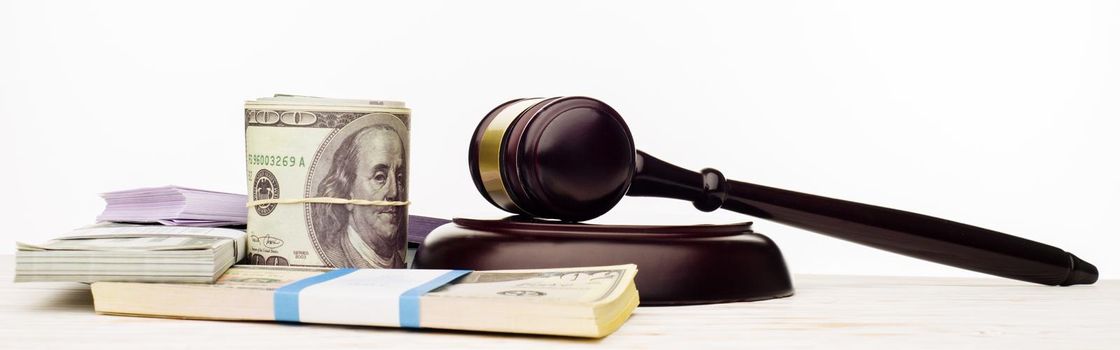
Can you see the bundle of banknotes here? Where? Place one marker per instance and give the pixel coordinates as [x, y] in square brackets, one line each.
[175, 206]
[580, 302]
[329, 181]
[128, 252]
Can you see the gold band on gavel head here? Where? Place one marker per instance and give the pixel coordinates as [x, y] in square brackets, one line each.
[490, 153]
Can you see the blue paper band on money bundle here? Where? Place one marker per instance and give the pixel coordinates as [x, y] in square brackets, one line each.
[410, 300]
[285, 301]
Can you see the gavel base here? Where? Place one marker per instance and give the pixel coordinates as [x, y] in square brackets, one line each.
[677, 265]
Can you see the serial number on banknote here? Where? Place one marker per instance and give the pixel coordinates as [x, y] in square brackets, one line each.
[275, 160]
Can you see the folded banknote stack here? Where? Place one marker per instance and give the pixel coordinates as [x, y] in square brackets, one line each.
[126, 252]
[175, 206]
[581, 302]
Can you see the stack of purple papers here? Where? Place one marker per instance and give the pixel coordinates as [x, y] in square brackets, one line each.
[176, 206]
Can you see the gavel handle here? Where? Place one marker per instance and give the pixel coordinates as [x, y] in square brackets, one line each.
[915, 235]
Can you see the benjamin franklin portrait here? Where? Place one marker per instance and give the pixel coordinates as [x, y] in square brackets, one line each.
[366, 159]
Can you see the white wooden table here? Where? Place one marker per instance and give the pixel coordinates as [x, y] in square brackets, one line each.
[826, 312]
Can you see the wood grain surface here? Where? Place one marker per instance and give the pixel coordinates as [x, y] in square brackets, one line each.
[826, 312]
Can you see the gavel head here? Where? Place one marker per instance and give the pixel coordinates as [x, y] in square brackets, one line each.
[566, 158]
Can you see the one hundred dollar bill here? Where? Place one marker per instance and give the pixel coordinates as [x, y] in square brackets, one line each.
[300, 147]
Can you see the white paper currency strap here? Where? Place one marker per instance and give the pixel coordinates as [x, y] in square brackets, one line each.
[325, 200]
[374, 297]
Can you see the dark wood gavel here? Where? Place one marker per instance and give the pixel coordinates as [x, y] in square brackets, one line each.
[573, 158]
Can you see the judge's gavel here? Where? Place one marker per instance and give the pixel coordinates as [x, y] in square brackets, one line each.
[573, 158]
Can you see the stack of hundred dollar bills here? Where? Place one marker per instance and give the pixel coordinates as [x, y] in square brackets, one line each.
[580, 302]
[127, 252]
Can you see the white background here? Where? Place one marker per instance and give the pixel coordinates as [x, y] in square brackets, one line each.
[1001, 114]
